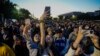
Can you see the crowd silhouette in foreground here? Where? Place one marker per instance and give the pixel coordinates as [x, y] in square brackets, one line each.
[68, 38]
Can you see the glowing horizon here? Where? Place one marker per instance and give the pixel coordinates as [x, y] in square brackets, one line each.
[36, 7]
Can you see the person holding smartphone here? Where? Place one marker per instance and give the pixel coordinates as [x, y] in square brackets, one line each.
[80, 37]
[36, 44]
[32, 46]
[95, 40]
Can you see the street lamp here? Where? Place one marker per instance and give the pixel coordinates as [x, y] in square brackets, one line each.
[74, 17]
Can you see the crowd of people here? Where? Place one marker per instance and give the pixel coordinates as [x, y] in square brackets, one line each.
[67, 38]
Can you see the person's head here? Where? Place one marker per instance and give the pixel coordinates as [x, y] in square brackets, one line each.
[28, 21]
[49, 31]
[17, 39]
[75, 29]
[36, 38]
[49, 39]
[59, 32]
[5, 50]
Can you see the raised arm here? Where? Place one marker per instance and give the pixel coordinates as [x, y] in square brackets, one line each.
[95, 40]
[79, 38]
[42, 30]
[26, 34]
[32, 47]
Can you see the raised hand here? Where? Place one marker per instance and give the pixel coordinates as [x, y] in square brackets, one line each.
[26, 30]
[95, 40]
[81, 33]
[44, 15]
[80, 36]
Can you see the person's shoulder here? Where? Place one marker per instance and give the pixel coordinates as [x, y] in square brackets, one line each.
[5, 47]
[96, 48]
[9, 50]
[96, 52]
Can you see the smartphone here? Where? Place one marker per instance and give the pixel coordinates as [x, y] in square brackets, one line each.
[47, 9]
[27, 21]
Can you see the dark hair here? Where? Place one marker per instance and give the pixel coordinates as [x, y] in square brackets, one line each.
[19, 37]
[87, 45]
[0, 44]
[58, 31]
[34, 31]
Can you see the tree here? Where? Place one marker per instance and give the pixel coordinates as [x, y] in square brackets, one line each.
[6, 9]
[24, 13]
